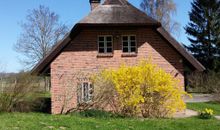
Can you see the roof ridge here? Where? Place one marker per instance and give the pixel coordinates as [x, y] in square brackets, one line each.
[115, 2]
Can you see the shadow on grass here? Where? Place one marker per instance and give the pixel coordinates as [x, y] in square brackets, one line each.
[92, 113]
[42, 105]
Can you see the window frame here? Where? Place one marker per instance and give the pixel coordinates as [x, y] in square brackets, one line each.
[129, 43]
[82, 97]
[105, 44]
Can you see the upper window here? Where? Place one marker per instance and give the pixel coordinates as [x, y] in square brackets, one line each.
[129, 44]
[105, 44]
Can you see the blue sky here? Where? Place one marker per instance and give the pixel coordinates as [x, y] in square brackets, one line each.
[12, 12]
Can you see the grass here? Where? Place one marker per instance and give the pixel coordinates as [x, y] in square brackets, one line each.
[37, 121]
[203, 105]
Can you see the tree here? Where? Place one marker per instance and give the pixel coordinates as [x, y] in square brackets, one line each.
[203, 32]
[40, 32]
[162, 11]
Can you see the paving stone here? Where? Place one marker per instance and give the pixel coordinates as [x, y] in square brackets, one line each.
[186, 113]
[217, 117]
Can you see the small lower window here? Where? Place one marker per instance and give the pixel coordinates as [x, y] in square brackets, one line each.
[85, 92]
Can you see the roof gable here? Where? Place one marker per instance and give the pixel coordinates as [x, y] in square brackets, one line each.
[114, 13]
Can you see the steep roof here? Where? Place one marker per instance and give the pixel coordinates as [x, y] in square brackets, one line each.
[117, 12]
[192, 60]
[114, 13]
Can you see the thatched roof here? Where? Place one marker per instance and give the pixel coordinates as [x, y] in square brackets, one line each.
[117, 12]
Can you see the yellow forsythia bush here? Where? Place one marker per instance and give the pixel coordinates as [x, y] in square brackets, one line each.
[143, 89]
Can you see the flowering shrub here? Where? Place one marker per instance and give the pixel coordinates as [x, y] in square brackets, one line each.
[206, 114]
[143, 89]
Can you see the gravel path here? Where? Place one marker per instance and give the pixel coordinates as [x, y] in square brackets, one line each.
[199, 98]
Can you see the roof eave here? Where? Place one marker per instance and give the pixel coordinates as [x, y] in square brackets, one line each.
[198, 66]
[120, 24]
[41, 67]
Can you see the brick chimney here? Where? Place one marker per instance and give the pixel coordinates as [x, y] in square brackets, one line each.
[94, 3]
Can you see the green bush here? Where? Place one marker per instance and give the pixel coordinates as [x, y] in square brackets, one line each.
[20, 93]
[16, 91]
[206, 114]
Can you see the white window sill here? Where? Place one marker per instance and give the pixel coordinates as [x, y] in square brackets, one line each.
[105, 55]
[132, 54]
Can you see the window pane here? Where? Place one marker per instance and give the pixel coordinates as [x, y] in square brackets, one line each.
[101, 50]
[133, 49]
[79, 93]
[109, 44]
[109, 50]
[101, 44]
[86, 91]
[101, 39]
[125, 38]
[133, 44]
[125, 49]
[91, 89]
[132, 38]
[125, 43]
[109, 38]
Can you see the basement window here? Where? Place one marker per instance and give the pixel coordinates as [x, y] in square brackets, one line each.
[105, 44]
[129, 44]
[85, 92]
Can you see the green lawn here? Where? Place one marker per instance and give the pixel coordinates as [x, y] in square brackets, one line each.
[38, 121]
[201, 106]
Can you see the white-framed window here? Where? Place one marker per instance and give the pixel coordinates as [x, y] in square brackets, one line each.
[105, 44]
[129, 44]
[85, 92]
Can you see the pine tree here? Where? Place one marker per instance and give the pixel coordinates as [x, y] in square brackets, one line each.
[204, 32]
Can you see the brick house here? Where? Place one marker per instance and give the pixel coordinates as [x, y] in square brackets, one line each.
[113, 33]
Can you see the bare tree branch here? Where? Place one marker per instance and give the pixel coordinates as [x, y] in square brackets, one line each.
[40, 32]
[162, 11]
[2, 68]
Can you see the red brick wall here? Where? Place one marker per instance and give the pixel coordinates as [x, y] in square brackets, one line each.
[81, 54]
